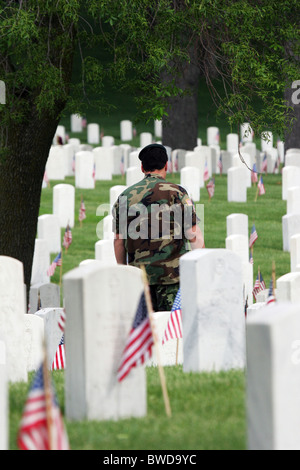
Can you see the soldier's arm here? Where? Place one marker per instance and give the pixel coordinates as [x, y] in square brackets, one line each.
[120, 252]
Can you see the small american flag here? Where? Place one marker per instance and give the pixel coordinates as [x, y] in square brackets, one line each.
[254, 174]
[251, 261]
[34, 433]
[94, 172]
[261, 187]
[174, 325]
[139, 343]
[67, 237]
[264, 166]
[52, 267]
[259, 285]
[82, 214]
[206, 174]
[73, 164]
[59, 361]
[271, 297]
[220, 165]
[253, 236]
[211, 187]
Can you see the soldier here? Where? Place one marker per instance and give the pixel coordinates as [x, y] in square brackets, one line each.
[154, 221]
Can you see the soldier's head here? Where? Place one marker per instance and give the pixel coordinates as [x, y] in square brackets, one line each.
[153, 157]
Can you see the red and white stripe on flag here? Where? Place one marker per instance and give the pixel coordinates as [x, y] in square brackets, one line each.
[174, 326]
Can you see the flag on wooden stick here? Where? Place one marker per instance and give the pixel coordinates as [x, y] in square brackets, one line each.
[56, 262]
[139, 343]
[42, 426]
[253, 236]
[211, 188]
[206, 173]
[82, 214]
[174, 326]
[67, 237]
[259, 285]
[59, 361]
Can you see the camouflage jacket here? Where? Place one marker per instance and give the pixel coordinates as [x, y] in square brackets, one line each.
[152, 217]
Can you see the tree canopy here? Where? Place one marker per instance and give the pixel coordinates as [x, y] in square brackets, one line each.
[252, 47]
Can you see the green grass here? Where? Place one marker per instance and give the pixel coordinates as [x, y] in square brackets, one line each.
[208, 410]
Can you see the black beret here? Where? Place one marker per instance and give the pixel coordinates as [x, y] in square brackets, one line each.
[153, 156]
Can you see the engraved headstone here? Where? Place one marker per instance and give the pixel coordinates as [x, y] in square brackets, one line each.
[12, 313]
[64, 204]
[212, 311]
[97, 327]
[273, 378]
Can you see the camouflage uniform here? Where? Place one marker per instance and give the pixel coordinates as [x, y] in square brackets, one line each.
[154, 235]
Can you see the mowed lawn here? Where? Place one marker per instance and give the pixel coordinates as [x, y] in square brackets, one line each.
[208, 410]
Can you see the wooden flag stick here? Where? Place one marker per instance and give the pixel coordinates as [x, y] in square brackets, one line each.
[160, 368]
[48, 400]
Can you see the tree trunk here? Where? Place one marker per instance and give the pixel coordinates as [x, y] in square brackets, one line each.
[180, 127]
[292, 138]
[21, 176]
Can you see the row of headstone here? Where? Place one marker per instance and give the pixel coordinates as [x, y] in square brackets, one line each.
[214, 337]
[291, 194]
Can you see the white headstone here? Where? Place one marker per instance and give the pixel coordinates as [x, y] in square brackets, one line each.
[56, 167]
[134, 174]
[237, 224]
[98, 326]
[244, 160]
[69, 151]
[103, 163]
[205, 152]
[293, 200]
[126, 130]
[93, 133]
[76, 123]
[195, 160]
[49, 296]
[212, 310]
[64, 204]
[213, 135]
[237, 184]
[104, 251]
[295, 252]
[114, 193]
[41, 262]
[290, 179]
[158, 128]
[227, 160]
[134, 159]
[33, 341]
[171, 351]
[232, 143]
[292, 158]
[74, 141]
[190, 180]
[290, 227]
[288, 288]
[12, 311]
[273, 378]
[240, 245]
[266, 141]
[4, 402]
[116, 153]
[145, 139]
[84, 170]
[52, 331]
[49, 229]
[60, 132]
[108, 140]
[246, 132]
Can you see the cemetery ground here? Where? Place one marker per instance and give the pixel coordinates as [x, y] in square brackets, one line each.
[208, 409]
